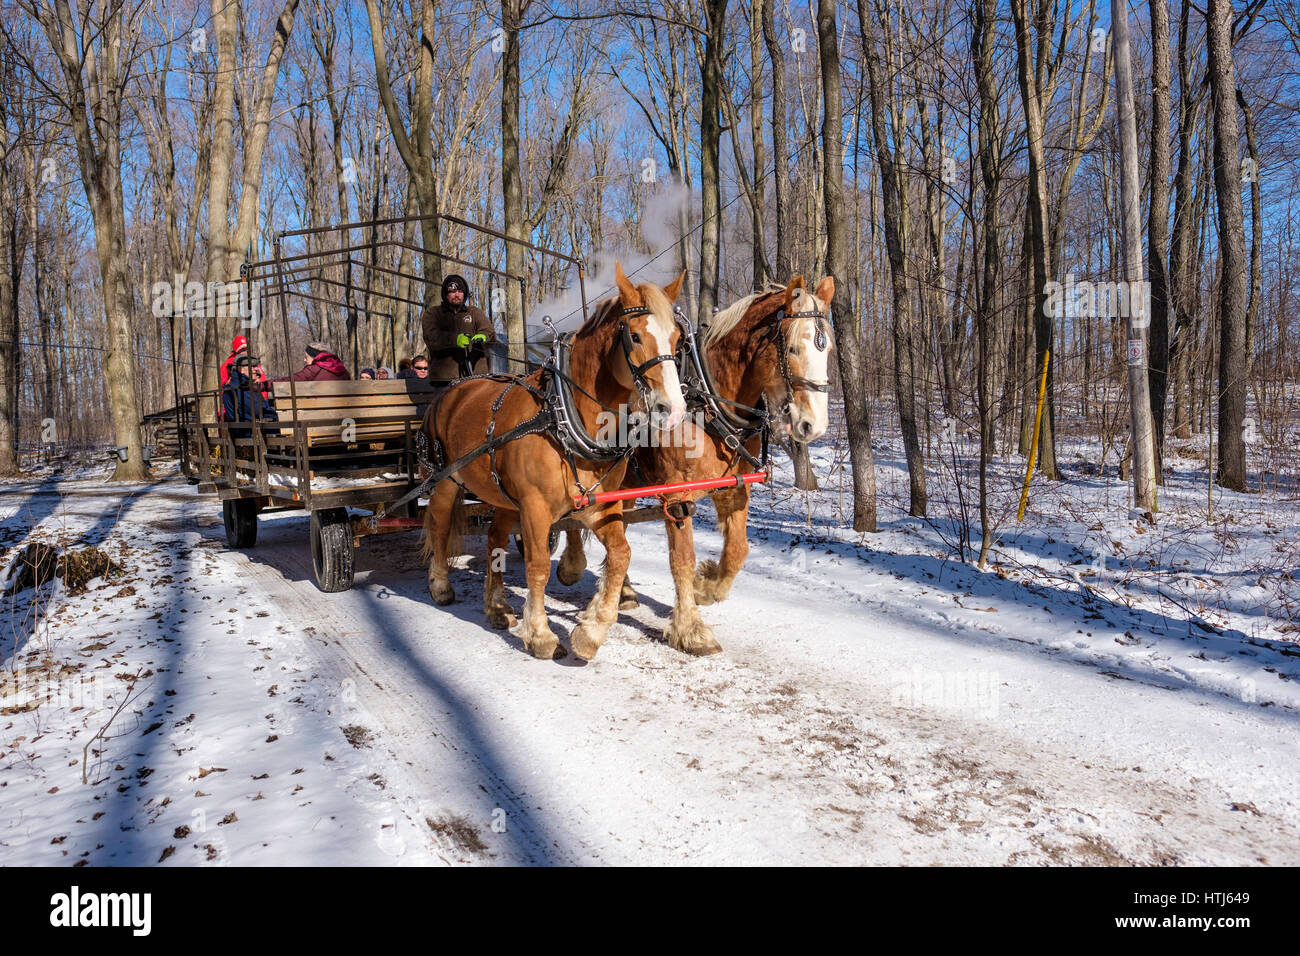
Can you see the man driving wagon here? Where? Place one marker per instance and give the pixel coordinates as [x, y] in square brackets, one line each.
[456, 334]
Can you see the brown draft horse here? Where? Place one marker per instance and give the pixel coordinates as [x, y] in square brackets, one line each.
[628, 343]
[741, 352]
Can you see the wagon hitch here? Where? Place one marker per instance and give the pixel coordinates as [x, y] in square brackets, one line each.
[678, 511]
[658, 491]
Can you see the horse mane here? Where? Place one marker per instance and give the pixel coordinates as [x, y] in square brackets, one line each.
[726, 320]
[606, 309]
[603, 312]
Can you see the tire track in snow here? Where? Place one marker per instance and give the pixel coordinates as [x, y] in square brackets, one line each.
[390, 697]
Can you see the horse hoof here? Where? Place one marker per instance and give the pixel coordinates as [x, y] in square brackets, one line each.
[442, 593]
[500, 619]
[568, 577]
[548, 650]
[629, 603]
[698, 641]
[703, 648]
[584, 642]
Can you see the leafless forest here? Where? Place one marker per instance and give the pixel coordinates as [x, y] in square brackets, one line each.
[986, 180]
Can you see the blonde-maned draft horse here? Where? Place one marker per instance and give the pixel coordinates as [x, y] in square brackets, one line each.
[626, 346]
[775, 344]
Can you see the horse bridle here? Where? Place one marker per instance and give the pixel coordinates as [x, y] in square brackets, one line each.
[638, 371]
[820, 340]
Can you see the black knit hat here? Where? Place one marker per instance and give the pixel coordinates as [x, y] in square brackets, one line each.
[454, 281]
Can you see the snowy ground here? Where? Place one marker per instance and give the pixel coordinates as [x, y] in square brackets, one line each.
[1112, 690]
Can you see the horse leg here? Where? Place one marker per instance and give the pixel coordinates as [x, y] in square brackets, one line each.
[495, 604]
[713, 579]
[627, 599]
[574, 559]
[535, 523]
[590, 633]
[687, 631]
[437, 531]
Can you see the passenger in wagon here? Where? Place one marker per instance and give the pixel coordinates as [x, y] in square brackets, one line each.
[456, 334]
[322, 365]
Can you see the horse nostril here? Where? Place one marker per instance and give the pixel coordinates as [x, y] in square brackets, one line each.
[803, 429]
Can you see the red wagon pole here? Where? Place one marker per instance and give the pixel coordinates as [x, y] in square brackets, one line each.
[653, 491]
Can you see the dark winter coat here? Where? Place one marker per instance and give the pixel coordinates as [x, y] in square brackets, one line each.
[237, 402]
[442, 324]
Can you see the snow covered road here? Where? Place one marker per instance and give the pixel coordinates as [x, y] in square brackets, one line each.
[866, 709]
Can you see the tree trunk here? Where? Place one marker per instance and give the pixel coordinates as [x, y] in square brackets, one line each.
[1179, 282]
[1256, 231]
[715, 12]
[1143, 438]
[96, 71]
[1158, 225]
[512, 179]
[984, 15]
[415, 150]
[1037, 233]
[893, 190]
[780, 144]
[1232, 243]
[9, 229]
[758, 211]
[857, 412]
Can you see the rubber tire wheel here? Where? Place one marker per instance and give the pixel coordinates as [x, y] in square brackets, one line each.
[240, 518]
[552, 539]
[331, 549]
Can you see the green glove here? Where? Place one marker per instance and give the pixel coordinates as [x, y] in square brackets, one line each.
[462, 340]
[479, 338]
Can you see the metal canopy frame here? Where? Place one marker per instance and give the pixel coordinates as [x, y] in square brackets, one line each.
[282, 276]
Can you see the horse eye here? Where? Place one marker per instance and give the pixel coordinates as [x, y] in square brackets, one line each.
[636, 339]
[793, 350]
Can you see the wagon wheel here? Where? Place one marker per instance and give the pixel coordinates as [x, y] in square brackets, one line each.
[331, 549]
[552, 540]
[240, 518]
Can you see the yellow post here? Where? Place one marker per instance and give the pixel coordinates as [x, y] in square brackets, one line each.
[1033, 445]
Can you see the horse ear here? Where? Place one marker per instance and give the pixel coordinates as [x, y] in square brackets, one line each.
[789, 291]
[626, 289]
[674, 288]
[826, 289]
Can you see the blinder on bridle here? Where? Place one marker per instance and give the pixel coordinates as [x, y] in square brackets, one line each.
[820, 340]
[638, 371]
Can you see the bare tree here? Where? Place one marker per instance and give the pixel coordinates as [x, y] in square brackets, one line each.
[1232, 248]
[96, 53]
[984, 18]
[892, 164]
[780, 144]
[1158, 225]
[416, 147]
[711, 92]
[228, 250]
[1033, 99]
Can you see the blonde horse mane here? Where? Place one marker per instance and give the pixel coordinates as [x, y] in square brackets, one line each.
[725, 320]
[600, 315]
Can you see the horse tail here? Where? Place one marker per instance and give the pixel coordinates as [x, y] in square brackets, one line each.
[455, 540]
[455, 535]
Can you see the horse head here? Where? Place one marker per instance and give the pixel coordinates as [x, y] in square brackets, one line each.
[804, 341]
[649, 336]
